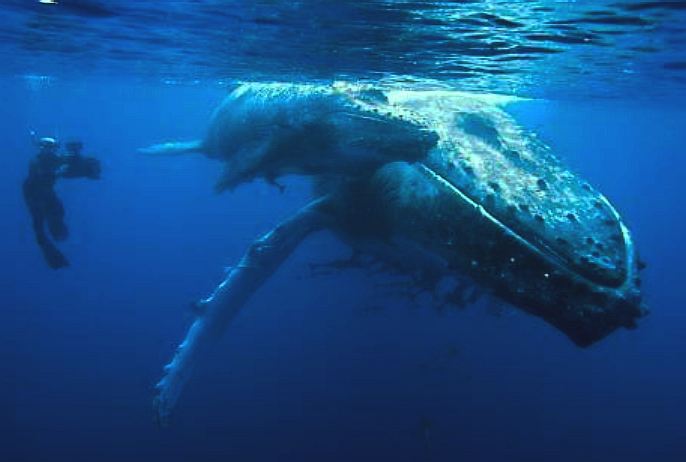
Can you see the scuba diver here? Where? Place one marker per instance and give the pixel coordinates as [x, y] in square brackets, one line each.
[40, 197]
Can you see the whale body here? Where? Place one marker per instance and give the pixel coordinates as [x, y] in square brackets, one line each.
[266, 130]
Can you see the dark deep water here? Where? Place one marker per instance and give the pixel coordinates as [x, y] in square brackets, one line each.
[335, 367]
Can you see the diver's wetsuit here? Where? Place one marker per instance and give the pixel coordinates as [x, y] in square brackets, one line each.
[44, 205]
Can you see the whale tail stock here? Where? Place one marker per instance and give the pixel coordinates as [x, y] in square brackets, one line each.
[173, 148]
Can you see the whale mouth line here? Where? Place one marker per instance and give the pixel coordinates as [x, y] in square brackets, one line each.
[541, 249]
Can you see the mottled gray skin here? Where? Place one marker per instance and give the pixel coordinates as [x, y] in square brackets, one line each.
[435, 182]
[491, 200]
[269, 130]
[411, 205]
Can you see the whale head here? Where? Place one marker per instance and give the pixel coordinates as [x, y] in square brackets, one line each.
[492, 201]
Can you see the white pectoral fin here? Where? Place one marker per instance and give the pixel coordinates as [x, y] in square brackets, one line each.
[173, 148]
[263, 257]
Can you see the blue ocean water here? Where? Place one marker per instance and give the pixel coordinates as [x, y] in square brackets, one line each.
[339, 366]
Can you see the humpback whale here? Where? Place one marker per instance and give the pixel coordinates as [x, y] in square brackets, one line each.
[433, 182]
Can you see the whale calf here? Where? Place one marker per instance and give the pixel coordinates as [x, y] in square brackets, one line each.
[266, 130]
[454, 187]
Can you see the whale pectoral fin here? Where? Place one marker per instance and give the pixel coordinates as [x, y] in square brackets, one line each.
[260, 261]
[173, 148]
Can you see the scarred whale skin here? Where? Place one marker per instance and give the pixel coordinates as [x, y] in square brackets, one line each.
[492, 200]
[412, 203]
[266, 130]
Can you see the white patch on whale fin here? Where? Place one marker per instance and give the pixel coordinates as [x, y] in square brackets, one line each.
[173, 148]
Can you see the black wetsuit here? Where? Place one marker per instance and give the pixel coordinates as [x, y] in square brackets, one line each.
[44, 205]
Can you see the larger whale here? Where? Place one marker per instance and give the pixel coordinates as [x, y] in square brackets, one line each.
[435, 183]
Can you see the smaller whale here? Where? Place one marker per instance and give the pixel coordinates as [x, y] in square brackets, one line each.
[266, 130]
